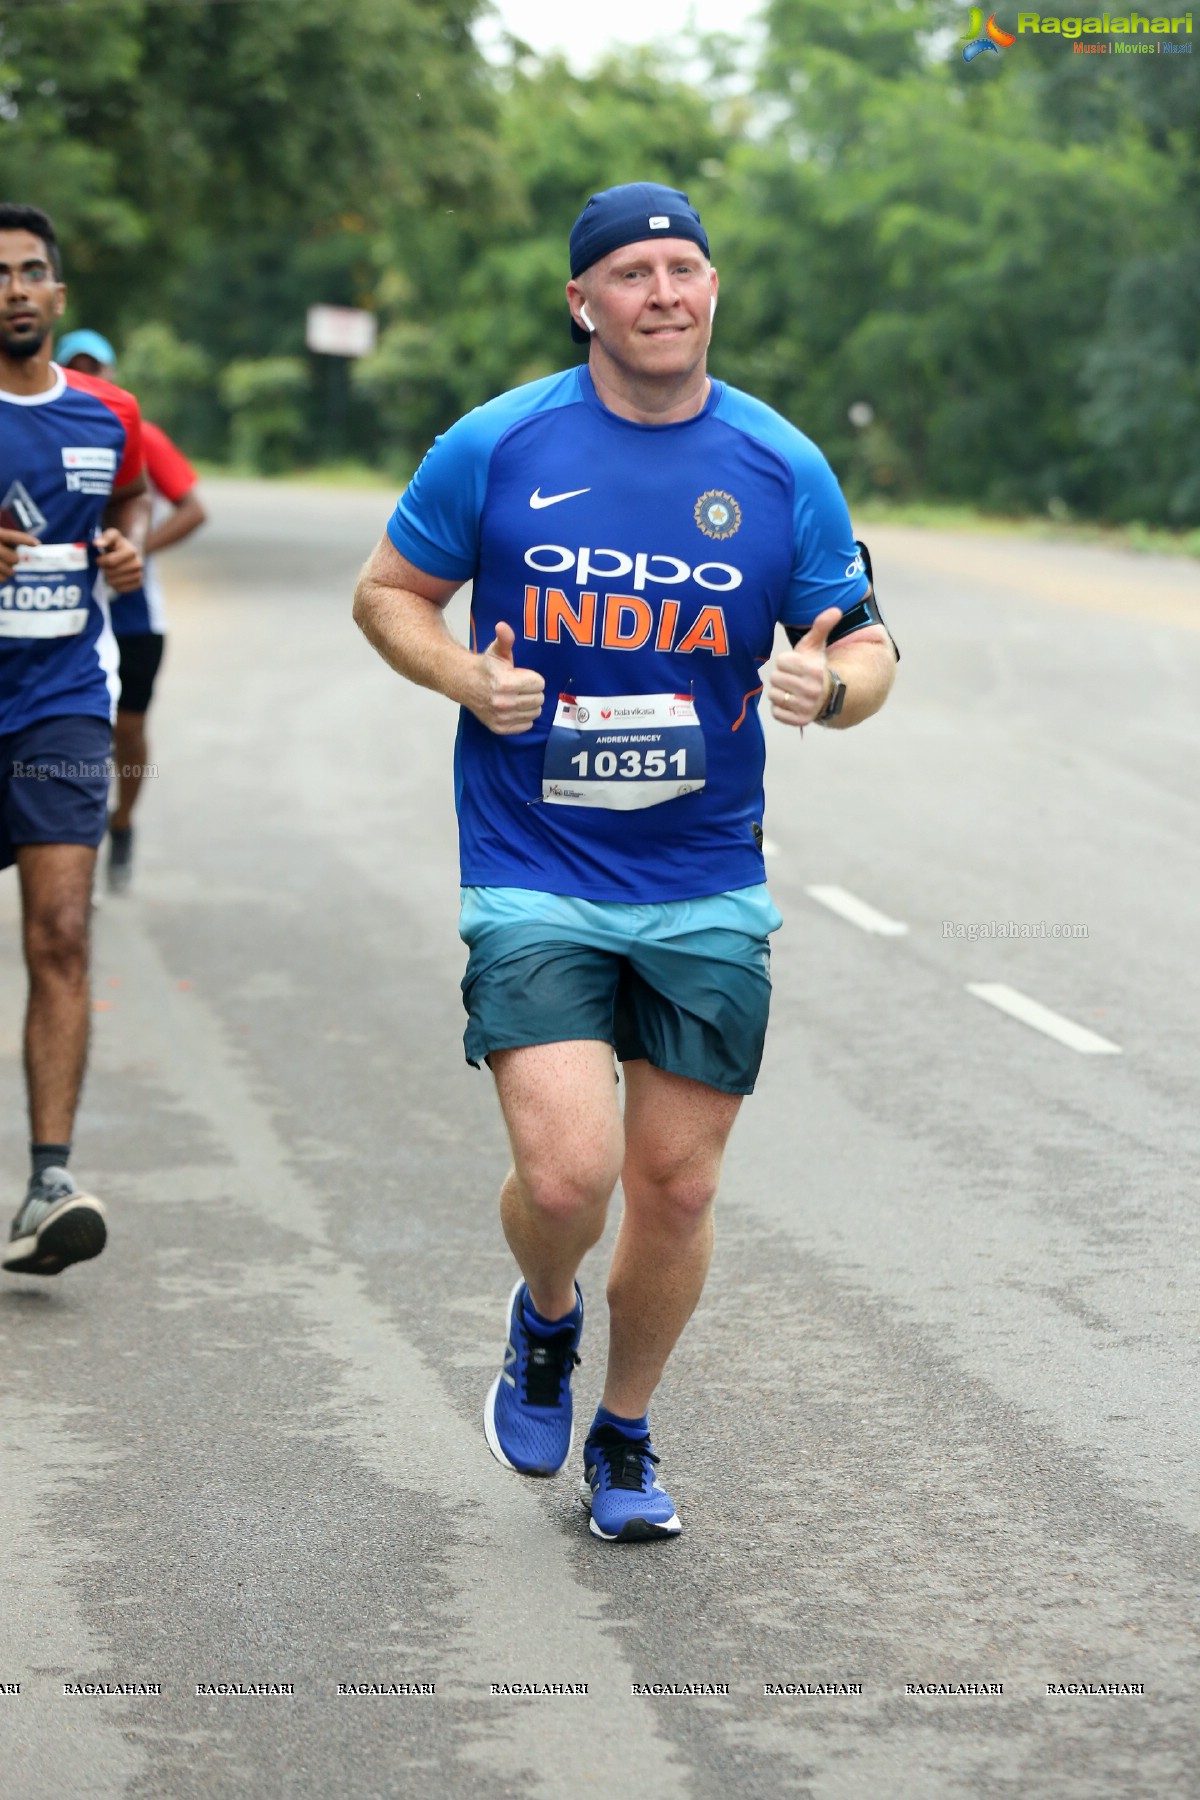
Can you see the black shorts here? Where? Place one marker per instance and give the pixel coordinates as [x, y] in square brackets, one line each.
[140, 657]
[54, 779]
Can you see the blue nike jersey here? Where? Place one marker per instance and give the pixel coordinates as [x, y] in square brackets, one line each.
[62, 453]
[643, 569]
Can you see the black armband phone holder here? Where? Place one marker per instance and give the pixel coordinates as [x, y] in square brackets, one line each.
[863, 612]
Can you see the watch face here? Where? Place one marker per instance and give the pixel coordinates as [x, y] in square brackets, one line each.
[837, 696]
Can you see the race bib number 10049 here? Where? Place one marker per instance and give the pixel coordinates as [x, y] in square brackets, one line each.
[623, 751]
[47, 595]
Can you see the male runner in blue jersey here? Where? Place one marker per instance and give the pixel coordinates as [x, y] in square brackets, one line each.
[635, 531]
[71, 509]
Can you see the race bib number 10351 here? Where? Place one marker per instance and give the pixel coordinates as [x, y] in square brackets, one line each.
[623, 751]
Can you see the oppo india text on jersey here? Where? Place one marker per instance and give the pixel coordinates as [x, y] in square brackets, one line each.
[648, 610]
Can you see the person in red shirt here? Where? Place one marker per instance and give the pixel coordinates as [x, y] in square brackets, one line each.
[139, 618]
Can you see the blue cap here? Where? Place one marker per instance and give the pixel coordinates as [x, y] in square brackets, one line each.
[627, 215]
[84, 343]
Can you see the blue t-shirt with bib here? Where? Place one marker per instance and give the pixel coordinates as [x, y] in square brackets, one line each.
[643, 570]
[62, 453]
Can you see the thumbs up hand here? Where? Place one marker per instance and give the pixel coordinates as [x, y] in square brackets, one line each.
[508, 700]
[501, 645]
[798, 684]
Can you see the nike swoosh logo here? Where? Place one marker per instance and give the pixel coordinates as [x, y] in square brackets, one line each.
[537, 499]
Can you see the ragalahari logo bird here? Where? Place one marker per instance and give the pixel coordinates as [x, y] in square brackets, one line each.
[985, 37]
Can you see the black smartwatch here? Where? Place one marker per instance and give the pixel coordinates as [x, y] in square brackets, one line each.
[835, 702]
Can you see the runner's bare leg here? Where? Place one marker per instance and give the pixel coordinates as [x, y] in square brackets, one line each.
[675, 1136]
[564, 1123]
[131, 754]
[56, 892]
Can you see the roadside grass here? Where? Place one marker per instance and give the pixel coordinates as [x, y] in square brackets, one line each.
[324, 475]
[929, 515]
[1142, 539]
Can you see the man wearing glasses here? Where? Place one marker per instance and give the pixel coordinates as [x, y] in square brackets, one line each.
[71, 509]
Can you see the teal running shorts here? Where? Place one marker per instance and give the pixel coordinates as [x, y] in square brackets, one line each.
[685, 984]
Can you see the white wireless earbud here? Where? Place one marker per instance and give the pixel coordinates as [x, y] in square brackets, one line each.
[586, 317]
[712, 309]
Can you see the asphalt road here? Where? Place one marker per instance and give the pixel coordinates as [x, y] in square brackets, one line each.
[935, 1422]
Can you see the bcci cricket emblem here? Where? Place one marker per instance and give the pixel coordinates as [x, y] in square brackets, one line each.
[718, 514]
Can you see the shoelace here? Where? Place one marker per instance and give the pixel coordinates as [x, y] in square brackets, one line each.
[626, 1457]
[57, 1189]
[548, 1362]
[45, 1194]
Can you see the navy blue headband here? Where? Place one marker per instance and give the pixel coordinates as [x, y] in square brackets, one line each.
[629, 215]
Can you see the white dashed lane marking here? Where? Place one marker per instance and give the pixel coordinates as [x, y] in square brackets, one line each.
[1030, 1012]
[995, 993]
[849, 906]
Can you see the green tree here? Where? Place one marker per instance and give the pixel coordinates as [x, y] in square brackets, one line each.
[65, 75]
[225, 166]
[174, 384]
[480, 306]
[947, 254]
[1142, 377]
[997, 257]
[265, 399]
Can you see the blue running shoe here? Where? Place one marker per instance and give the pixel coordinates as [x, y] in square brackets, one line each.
[527, 1416]
[620, 1491]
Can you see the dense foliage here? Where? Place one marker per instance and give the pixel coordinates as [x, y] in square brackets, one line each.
[996, 265]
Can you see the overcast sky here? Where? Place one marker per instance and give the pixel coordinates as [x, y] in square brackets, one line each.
[583, 32]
